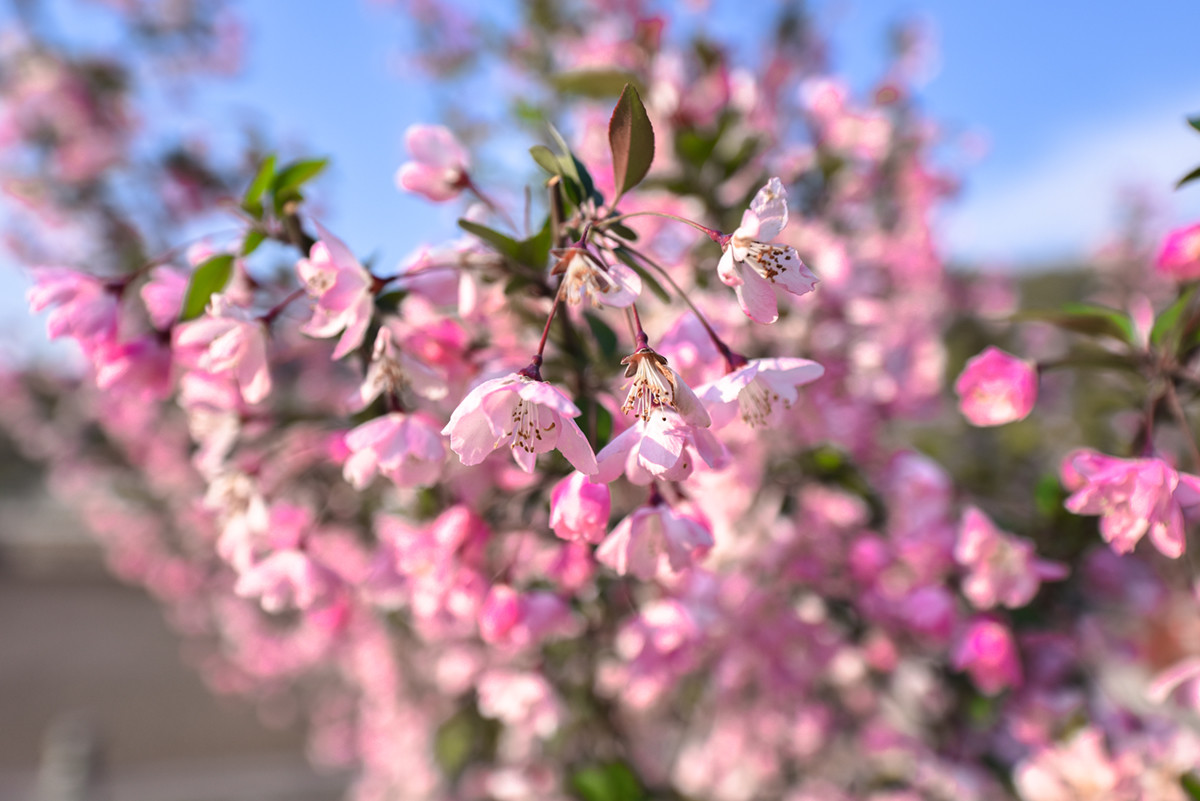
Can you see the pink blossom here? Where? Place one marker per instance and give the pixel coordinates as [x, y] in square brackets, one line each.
[655, 386]
[585, 277]
[664, 447]
[530, 416]
[1133, 497]
[996, 388]
[344, 292]
[439, 167]
[139, 368]
[287, 579]
[1004, 570]
[522, 700]
[1180, 254]
[393, 369]
[988, 653]
[1078, 770]
[758, 389]
[86, 308]
[405, 448]
[579, 509]
[929, 611]
[163, 295]
[753, 268]
[500, 612]
[639, 542]
[232, 342]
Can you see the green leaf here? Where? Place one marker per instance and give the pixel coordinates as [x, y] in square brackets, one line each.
[1190, 783]
[210, 277]
[1187, 179]
[252, 200]
[606, 338]
[573, 169]
[286, 185]
[596, 84]
[546, 159]
[1168, 322]
[1194, 122]
[532, 252]
[629, 259]
[252, 241]
[1084, 318]
[631, 138]
[1048, 495]
[611, 782]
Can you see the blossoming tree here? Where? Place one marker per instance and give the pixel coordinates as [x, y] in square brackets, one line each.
[550, 512]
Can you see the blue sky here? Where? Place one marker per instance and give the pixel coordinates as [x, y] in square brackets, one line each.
[1078, 101]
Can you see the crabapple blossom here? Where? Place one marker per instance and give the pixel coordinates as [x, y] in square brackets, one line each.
[163, 295]
[231, 341]
[1004, 570]
[996, 388]
[584, 277]
[654, 385]
[579, 508]
[406, 448]
[758, 390]
[1134, 497]
[392, 369]
[988, 653]
[344, 292]
[665, 447]
[753, 267]
[530, 416]
[439, 166]
[640, 542]
[86, 309]
[1179, 257]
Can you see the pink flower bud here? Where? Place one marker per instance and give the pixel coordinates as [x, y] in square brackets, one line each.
[579, 509]
[439, 166]
[988, 653]
[1180, 254]
[996, 388]
[501, 611]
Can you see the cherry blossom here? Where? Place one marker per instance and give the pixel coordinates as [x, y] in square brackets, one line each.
[996, 388]
[439, 166]
[579, 508]
[343, 290]
[1004, 570]
[758, 390]
[753, 267]
[585, 277]
[231, 341]
[530, 416]
[406, 448]
[654, 535]
[1133, 497]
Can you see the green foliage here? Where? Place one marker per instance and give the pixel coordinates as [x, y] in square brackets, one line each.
[210, 277]
[1085, 318]
[631, 138]
[596, 84]
[613, 781]
[252, 200]
[1190, 783]
[532, 252]
[285, 186]
[1166, 326]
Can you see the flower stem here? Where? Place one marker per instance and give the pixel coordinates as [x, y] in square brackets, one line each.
[278, 308]
[733, 360]
[715, 236]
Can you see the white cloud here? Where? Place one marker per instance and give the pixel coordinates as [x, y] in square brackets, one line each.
[1064, 202]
